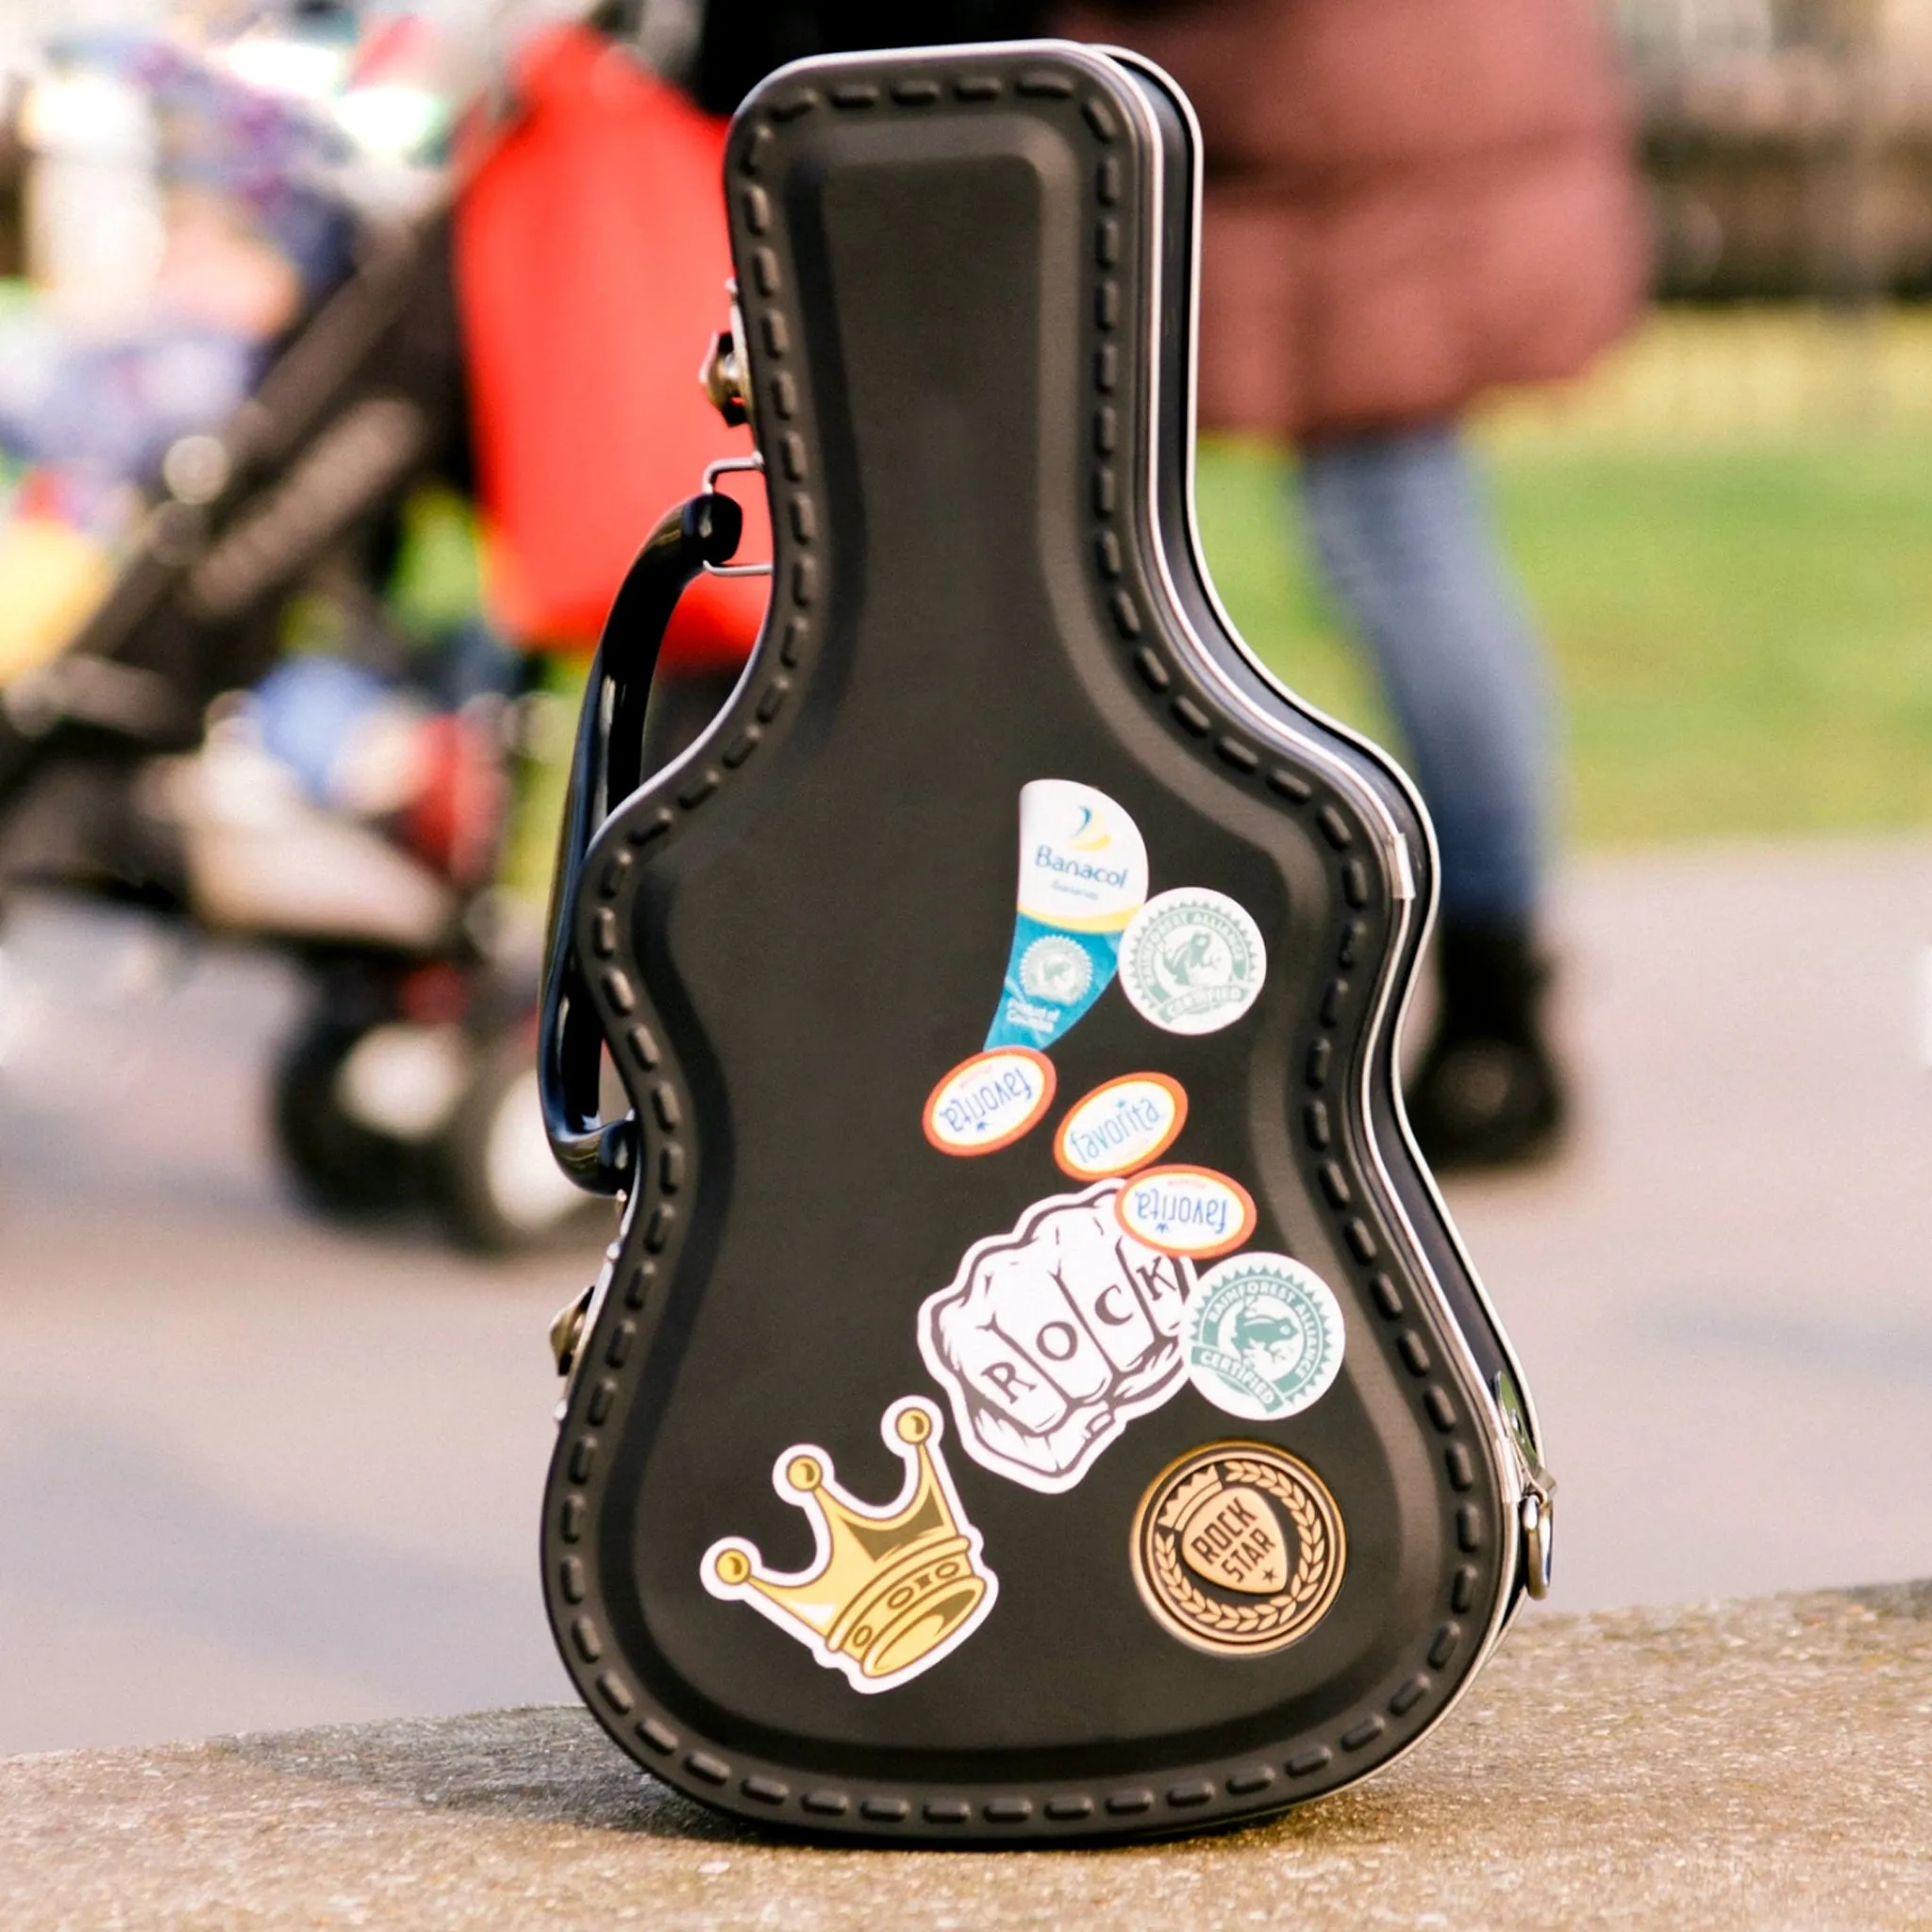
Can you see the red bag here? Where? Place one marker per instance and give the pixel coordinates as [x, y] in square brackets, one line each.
[591, 263]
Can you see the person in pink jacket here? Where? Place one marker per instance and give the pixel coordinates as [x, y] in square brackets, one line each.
[1408, 203]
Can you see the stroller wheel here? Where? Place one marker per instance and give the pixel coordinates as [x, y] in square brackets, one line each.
[339, 1165]
[495, 1179]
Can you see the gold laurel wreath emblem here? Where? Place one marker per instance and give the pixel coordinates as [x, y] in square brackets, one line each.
[1274, 1621]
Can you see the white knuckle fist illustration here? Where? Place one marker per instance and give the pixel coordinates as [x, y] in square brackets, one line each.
[1052, 1338]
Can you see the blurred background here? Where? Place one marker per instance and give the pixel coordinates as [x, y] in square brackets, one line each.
[315, 478]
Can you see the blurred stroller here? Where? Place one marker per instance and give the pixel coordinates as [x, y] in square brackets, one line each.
[353, 807]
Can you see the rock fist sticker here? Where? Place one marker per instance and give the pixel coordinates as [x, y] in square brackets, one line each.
[1052, 1338]
[1237, 1548]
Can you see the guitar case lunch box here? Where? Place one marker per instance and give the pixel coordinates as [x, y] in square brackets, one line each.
[1036, 1393]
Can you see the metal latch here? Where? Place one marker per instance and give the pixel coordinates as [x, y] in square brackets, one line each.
[722, 385]
[1536, 1510]
[572, 1323]
[726, 379]
[1536, 1513]
[567, 1329]
[723, 376]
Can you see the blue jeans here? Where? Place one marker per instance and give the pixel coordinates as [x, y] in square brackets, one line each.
[1405, 540]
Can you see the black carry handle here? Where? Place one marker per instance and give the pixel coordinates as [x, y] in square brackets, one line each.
[606, 766]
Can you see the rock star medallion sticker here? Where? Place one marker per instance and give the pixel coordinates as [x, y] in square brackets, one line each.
[1237, 1548]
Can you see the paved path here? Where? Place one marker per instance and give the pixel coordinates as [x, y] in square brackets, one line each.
[1759, 1765]
[1724, 1293]
[254, 1470]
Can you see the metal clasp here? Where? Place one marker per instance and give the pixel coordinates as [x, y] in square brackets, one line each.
[712, 472]
[1537, 1506]
[567, 1329]
[1536, 1513]
[724, 376]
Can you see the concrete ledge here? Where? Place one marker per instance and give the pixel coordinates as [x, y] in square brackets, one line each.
[1762, 1763]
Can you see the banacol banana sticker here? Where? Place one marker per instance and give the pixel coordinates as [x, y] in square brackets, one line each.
[1083, 875]
[989, 1100]
[1120, 1126]
[1185, 1210]
[1052, 1336]
[890, 1590]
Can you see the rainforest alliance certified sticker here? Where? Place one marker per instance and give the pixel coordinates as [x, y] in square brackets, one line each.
[1238, 1548]
[1192, 961]
[989, 1100]
[1124, 1124]
[1185, 1210]
[1263, 1336]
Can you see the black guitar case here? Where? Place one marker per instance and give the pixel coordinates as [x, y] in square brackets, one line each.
[1036, 1392]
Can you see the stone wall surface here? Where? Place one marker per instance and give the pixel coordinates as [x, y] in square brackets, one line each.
[1764, 1763]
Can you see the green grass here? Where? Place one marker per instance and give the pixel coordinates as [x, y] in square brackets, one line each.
[1741, 630]
[1725, 531]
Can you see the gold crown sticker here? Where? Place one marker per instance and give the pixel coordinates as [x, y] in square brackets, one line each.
[889, 1591]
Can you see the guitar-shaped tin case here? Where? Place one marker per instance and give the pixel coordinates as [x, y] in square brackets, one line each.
[1036, 1392]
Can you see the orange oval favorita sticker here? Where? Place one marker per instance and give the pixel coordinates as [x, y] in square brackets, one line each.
[1124, 1124]
[1185, 1210]
[989, 1100]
